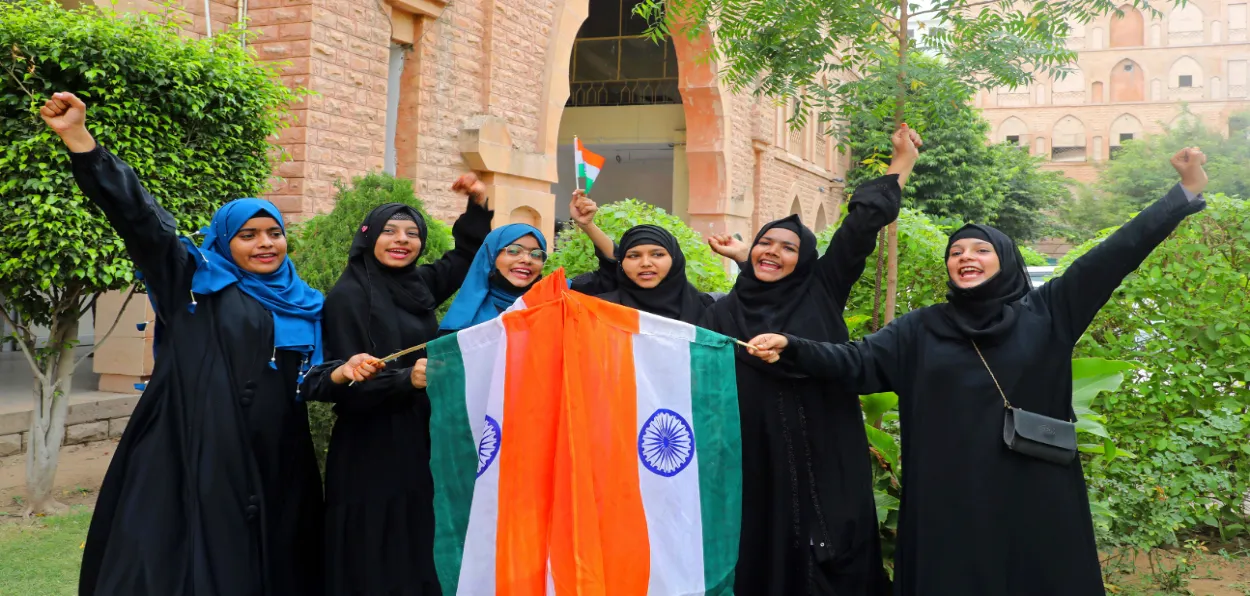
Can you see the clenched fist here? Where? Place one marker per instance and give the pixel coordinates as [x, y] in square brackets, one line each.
[1188, 163]
[66, 115]
[418, 374]
[470, 185]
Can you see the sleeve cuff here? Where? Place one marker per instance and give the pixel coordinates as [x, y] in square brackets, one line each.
[1189, 196]
[96, 154]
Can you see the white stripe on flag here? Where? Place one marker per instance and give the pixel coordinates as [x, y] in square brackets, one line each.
[674, 518]
[481, 347]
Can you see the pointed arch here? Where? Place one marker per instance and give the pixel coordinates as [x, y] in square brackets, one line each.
[1124, 128]
[1128, 28]
[1128, 82]
[1185, 25]
[1013, 129]
[1070, 90]
[1185, 79]
[822, 221]
[1068, 139]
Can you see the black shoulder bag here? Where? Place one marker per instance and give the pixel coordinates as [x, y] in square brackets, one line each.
[1032, 434]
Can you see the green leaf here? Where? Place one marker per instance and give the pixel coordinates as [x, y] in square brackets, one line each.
[884, 444]
[876, 405]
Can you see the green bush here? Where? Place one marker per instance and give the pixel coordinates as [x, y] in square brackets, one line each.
[1032, 258]
[576, 254]
[1185, 318]
[319, 249]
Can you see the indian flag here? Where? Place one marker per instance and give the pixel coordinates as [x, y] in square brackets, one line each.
[581, 447]
[588, 164]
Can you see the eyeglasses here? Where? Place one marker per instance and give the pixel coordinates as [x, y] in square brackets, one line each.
[537, 254]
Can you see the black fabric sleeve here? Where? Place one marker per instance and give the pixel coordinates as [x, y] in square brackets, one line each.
[870, 365]
[873, 206]
[1074, 298]
[446, 275]
[148, 230]
[599, 281]
[346, 334]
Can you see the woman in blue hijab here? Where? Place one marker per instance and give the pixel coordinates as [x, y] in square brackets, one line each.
[214, 487]
[509, 261]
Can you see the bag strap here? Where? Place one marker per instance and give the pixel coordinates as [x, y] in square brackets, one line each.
[1006, 404]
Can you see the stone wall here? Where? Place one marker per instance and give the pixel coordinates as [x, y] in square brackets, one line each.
[94, 417]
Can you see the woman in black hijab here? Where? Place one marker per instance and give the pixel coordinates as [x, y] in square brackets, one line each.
[379, 492]
[979, 518]
[809, 523]
[650, 274]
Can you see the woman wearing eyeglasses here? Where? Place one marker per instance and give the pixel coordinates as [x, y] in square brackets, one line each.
[508, 263]
[379, 493]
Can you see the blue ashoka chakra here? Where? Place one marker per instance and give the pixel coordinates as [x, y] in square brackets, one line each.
[666, 443]
[488, 447]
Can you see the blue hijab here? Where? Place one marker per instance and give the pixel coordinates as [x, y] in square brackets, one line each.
[295, 306]
[479, 300]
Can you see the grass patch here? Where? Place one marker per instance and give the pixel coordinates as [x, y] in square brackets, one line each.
[42, 557]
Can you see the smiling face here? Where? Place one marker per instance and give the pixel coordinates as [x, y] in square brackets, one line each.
[517, 263]
[775, 255]
[647, 265]
[971, 262]
[259, 246]
[398, 243]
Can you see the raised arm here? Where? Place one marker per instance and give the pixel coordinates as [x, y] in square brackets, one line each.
[446, 275]
[582, 210]
[1074, 298]
[873, 206]
[148, 230]
[871, 365]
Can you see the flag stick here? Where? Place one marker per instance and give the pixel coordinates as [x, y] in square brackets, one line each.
[395, 356]
[576, 179]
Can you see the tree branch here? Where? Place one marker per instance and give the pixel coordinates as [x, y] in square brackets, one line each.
[99, 342]
[30, 358]
[937, 10]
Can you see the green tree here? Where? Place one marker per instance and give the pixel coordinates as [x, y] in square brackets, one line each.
[1140, 173]
[804, 49]
[959, 177]
[192, 117]
[320, 245]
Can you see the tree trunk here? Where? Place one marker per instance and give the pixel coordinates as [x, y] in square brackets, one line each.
[47, 421]
[891, 278]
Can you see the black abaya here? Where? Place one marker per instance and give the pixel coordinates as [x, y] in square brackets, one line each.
[213, 489]
[977, 518]
[379, 492]
[807, 484]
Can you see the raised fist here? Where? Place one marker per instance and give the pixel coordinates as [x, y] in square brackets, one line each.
[581, 209]
[470, 185]
[64, 113]
[906, 143]
[728, 246]
[1188, 163]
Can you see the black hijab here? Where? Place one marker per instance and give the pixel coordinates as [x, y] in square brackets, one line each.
[673, 297]
[987, 311]
[755, 307]
[377, 292]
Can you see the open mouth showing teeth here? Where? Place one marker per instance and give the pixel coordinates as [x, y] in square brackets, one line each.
[770, 265]
[522, 272]
[265, 256]
[398, 253]
[969, 272]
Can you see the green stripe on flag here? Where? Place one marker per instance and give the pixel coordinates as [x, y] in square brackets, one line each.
[453, 457]
[718, 436]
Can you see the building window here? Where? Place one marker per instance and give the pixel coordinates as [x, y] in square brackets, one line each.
[1013, 139]
[613, 65]
[1128, 68]
[911, 33]
[1186, 81]
[1126, 136]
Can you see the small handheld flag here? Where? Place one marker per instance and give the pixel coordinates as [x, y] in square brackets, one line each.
[588, 164]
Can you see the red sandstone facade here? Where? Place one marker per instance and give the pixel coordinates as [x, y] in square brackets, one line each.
[430, 89]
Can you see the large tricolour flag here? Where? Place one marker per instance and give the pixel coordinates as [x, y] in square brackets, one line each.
[588, 164]
[582, 447]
